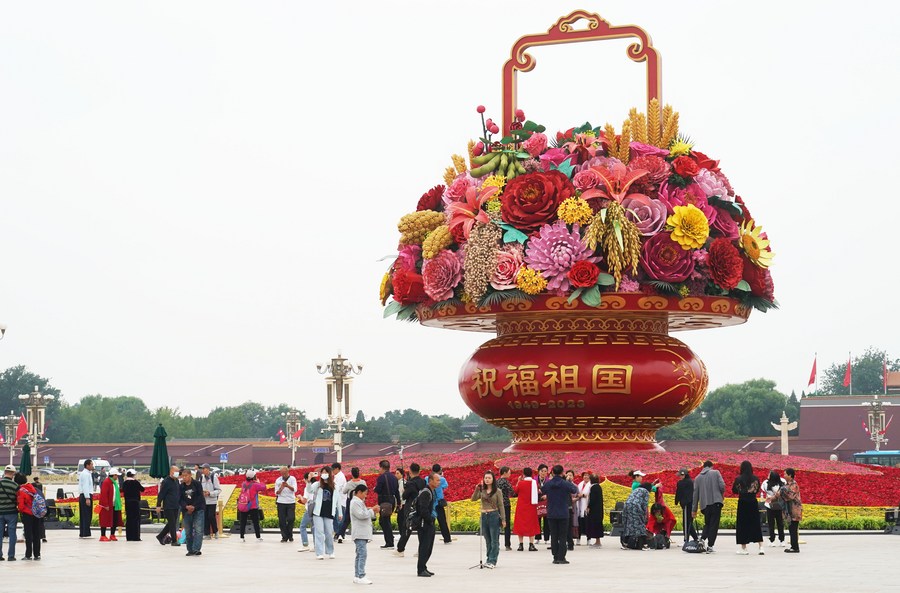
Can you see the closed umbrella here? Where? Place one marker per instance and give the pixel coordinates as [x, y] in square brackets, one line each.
[159, 464]
[25, 466]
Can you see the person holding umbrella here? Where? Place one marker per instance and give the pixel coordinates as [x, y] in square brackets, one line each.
[110, 505]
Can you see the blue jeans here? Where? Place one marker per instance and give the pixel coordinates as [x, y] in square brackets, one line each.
[9, 521]
[323, 535]
[305, 522]
[193, 529]
[490, 529]
[361, 555]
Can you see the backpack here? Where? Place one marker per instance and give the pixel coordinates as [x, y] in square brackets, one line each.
[38, 505]
[658, 542]
[416, 516]
[693, 547]
[243, 504]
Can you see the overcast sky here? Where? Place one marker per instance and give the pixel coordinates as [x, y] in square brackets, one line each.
[196, 194]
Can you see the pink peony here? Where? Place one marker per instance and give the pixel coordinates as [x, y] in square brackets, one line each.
[664, 259]
[658, 172]
[639, 149]
[409, 258]
[672, 196]
[647, 214]
[456, 192]
[724, 226]
[599, 161]
[510, 260]
[554, 251]
[441, 274]
[536, 144]
[629, 285]
[712, 185]
[586, 179]
[554, 156]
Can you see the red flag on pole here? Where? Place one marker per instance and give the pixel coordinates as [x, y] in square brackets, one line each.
[865, 427]
[2, 442]
[848, 374]
[21, 429]
[812, 374]
[296, 436]
[281, 437]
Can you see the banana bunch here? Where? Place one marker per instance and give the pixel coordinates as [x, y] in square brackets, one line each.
[413, 227]
[500, 162]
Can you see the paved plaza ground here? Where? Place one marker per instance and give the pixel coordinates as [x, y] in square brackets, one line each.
[828, 562]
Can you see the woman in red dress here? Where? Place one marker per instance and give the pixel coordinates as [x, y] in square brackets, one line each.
[526, 521]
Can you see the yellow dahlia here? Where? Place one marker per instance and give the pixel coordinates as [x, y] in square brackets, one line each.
[690, 228]
[754, 245]
[575, 211]
[530, 281]
[498, 181]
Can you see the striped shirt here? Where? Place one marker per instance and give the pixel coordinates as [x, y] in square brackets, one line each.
[8, 503]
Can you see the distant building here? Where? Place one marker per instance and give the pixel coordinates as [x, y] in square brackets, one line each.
[842, 418]
[893, 382]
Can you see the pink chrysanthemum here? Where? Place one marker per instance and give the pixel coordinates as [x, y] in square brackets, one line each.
[554, 251]
[712, 185]
[629, 284]
[441, 274]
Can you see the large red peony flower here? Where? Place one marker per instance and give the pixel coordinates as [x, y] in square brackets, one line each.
[664, 259]
[531, 200]
[685, 166]
[760, 280]
[726, 266]
[704, 162]
[584, 274]
[408, 287]
[433, 199]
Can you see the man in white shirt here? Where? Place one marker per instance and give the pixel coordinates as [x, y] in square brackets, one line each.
[340, 526]
[85, 499]
[286, 502]
[209, 482]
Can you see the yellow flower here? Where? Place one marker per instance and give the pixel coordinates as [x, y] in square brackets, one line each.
[575, 211]
[492, 206]
[680, 147]
[690, 229]
[384, 291]
[683, 291]
[530, 281]
[498, 181]
[755, 245]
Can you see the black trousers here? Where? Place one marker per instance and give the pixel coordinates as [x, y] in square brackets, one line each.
[31, 525]
[85, 513]
[795, 536]
[253, 515]
[286, 518]
[210, 525]
[384, 523]
[171, 526]
[442, 523]
[687, 524]
[542, 521]
[426, 544]
[507, 531]
[558, 537]
[133, 520]
[775, 518]
[712, 514]
[404, 532]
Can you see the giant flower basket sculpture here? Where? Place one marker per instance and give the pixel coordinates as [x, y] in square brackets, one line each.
[582, 252]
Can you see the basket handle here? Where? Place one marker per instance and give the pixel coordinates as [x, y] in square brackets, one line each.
[562, 32]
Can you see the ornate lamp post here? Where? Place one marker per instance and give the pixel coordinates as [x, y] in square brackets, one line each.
[9, 429]
[876, 422]
[35, 406]
[292, 425]
[338, 381]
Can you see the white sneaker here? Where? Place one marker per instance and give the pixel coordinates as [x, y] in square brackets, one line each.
[489, 565]
[362, 581]
[761, 552]
[331, 556]
[304, 549]
[710, 550]
[742, 552]
[773, 544]
[398, 554]
[780, 544]
[320, 557]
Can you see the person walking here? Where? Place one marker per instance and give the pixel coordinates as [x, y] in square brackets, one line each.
[85, 499]
[493, 516]
[747, 529]
[593, 514]
[110, 503]
[526, 520]
[362, 530]
[684, 497]
[193, 506]
[388, 493]
[559, 492]
[411, 488]
[131, 492]
[249, 509]
[774, 517]
[168, 503]
[789, 494]
[324, 508]
[508, 492]
[209, 482]
[9, 506]
[31, 524]
[426, 513]
[340, 480]
[635, 516]
[709, 495]
[306, 520]
[286, 503]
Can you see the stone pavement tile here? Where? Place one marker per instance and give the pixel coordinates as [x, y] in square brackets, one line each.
[828, 563]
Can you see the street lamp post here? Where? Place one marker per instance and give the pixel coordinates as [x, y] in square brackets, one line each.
[9, 428]
[877, 426]
[338, 381]
[35, 406]
[292, 424]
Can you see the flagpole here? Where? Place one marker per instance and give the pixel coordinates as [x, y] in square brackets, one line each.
[850, 368]
[816, 364]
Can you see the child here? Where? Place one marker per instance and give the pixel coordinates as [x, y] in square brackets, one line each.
[361, 518]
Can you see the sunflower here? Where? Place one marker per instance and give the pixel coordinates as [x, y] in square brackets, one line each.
[690, 228]
[755, 245]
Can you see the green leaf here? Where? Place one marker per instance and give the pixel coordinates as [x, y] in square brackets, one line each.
[731, 207]
[530, 126]
[618, 227]
[522, 133]
[406, 313]
[743, 285]
[585, 127]
[523, 155]
[605, 279]
[591, 296]
[507, 140]
[566, 168]
[541, 129]
[512, 234]
[392, 308]
[574, 294]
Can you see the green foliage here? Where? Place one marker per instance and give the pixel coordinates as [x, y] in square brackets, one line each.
[867, 374]
[18, 380]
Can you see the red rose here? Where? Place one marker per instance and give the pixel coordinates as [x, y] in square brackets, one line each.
[530, 201]
[726, 266]
[760, 280]
[704, 162]
[664, 259]
[408, 287]
[685, 166]
[433, 199]
[583, 274]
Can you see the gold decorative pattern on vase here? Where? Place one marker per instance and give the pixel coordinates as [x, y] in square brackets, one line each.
[688, 378]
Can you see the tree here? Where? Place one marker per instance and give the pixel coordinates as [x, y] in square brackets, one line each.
[867, 374]
[18, 380]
